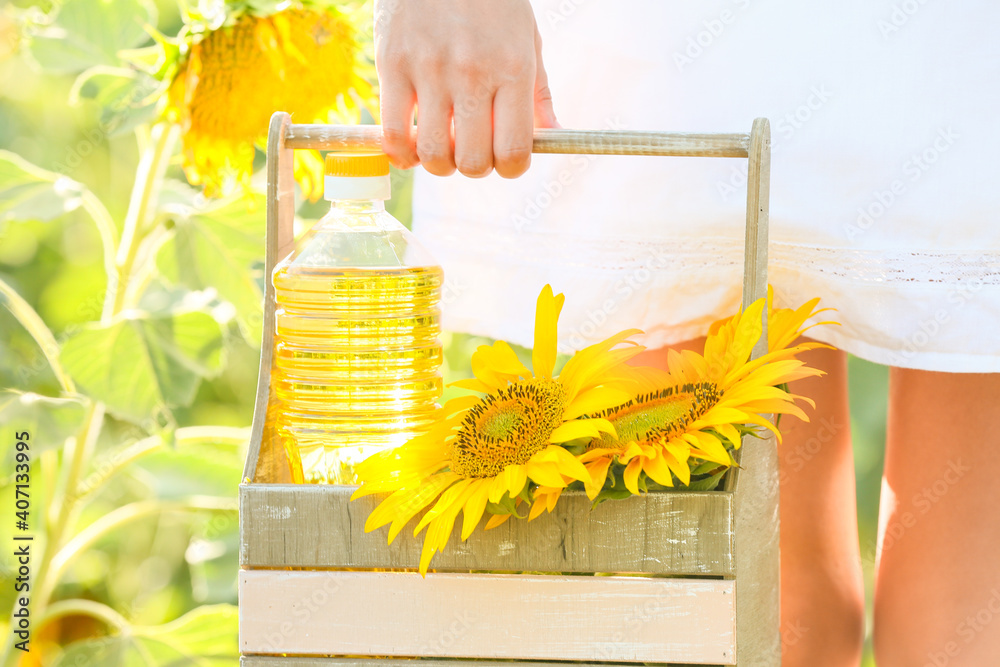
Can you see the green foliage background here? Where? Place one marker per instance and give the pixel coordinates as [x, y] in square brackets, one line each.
[138, 416]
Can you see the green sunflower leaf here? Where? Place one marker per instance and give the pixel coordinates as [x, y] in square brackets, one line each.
[85, 33]
[144, 364]
[28, 192]
[704, 468]
[47, 422]
[610, 494]
[127, 97]
[709, 483]
[220, 246]
[507, 505]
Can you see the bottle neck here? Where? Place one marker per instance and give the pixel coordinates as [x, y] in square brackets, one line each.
[357, 206]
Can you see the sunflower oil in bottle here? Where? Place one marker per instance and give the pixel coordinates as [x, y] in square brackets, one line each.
[357, 356]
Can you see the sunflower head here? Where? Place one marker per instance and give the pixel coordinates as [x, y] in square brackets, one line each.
[307, 61]
[488, 450]
[691, 417]
[658, 414]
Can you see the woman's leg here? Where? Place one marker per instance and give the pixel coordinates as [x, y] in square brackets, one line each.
[937, 594]
[822, 591]
[822, 594]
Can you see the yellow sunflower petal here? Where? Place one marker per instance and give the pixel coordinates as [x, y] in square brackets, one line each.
[537, 507]
[546, 498]
[552, 498]
[488, 364]
[569, 465]
[582, 428]
[515, 477]
[678, 467]
[718, 415]
[630, 451]
[475, 384]
[598, 475]
[496, 520]
[730, 433]
[545, 473]
[498, 487]
[418, 499]
[543, 354]
[428, 550]
[589, 366]
[442, 526]
[474, 508]
[658, 470]
[649, 379]
[631, 475]
[596, 399]
[459, 404]
[502, 360]
[709, 446]
[450, 497]
[777, 407]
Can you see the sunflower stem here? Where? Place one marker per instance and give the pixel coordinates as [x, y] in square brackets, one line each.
[117, 518]
[149, 175]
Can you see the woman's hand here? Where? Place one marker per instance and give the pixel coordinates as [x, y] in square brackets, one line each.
[474, 63]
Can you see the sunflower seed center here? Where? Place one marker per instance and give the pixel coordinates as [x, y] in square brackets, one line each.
[507, 428]
[658, 414]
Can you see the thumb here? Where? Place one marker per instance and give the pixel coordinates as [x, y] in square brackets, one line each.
[545, 115]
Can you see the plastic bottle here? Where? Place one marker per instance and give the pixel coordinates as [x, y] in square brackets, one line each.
[357, 356]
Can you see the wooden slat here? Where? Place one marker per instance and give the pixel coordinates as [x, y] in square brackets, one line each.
[756, 487]
[585, 142]
[757, 557]
[758, 193]
[312, 661]
[290, 525]
[755, 246]
[495, 616]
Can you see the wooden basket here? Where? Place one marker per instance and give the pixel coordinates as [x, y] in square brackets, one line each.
[317, 591]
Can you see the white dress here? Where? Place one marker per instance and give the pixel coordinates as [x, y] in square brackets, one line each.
[885, 185]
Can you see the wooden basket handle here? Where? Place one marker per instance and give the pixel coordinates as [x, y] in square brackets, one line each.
[285, 137]
[584, 142]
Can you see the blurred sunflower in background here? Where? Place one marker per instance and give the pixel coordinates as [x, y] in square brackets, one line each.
[308, 59]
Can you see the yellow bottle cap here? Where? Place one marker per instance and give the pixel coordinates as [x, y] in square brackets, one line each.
[357, 164]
